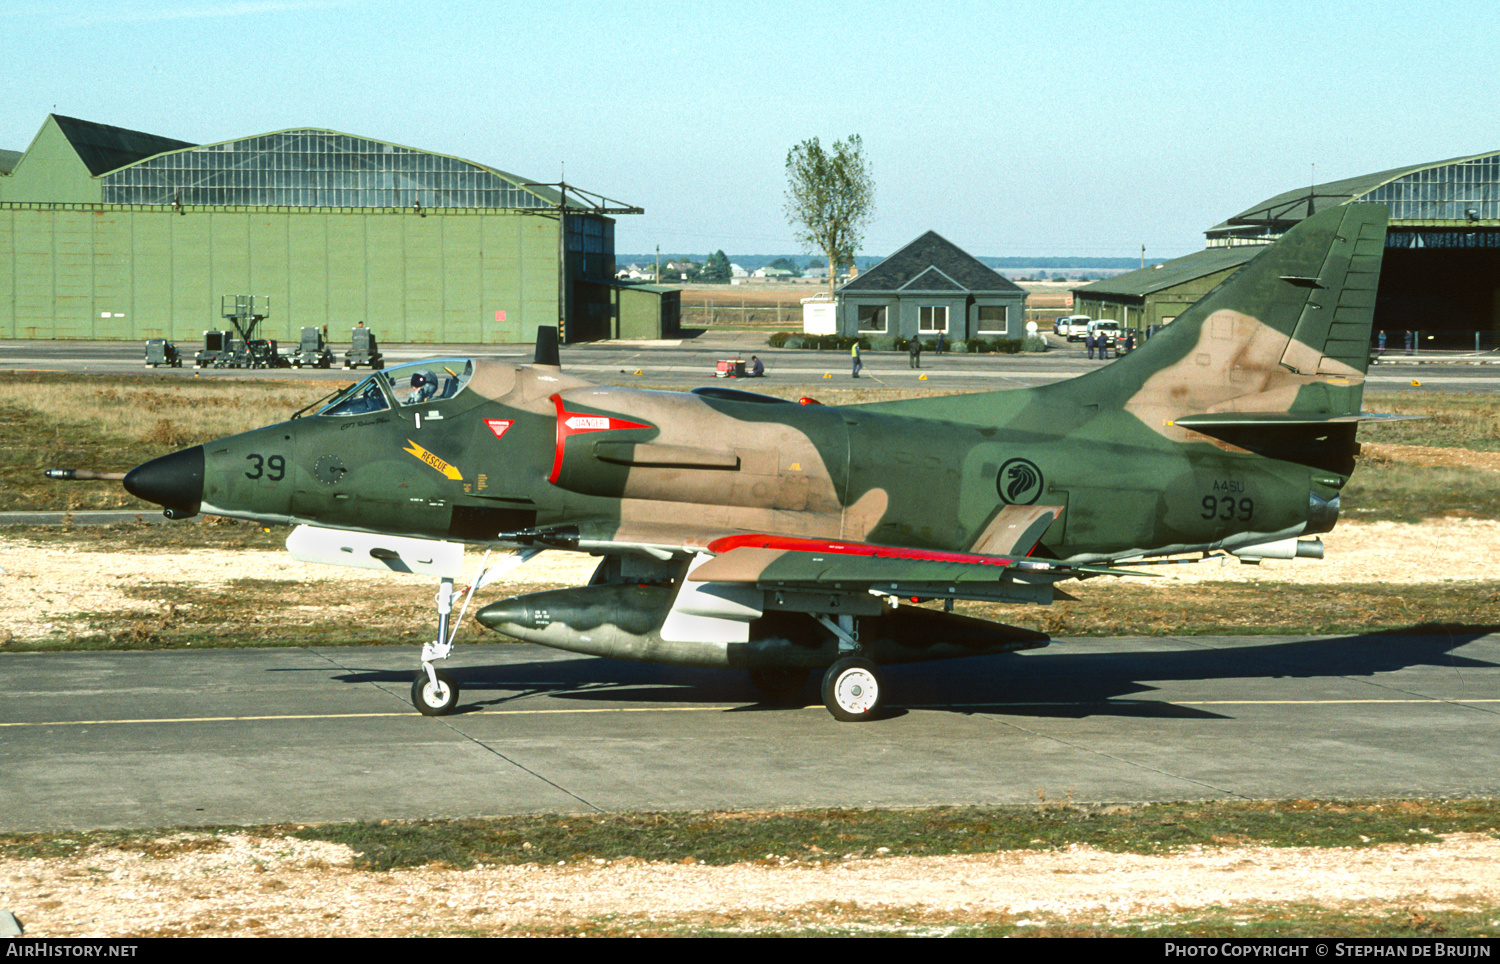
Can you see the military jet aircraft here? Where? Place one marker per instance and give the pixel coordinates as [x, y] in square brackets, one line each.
[744, 531]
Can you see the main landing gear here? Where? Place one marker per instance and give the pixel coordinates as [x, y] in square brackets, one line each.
[853, 690]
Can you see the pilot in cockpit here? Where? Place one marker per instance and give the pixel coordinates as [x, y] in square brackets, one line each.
[424, 386]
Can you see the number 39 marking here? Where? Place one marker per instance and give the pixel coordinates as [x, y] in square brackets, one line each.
[273, 468]
[1226, 509]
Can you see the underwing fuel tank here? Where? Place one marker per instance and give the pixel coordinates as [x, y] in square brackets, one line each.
[624, 621]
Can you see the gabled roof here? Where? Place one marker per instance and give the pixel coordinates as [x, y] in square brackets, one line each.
[930, 263]
[103, 148]
[8, 160]
[1168, 274]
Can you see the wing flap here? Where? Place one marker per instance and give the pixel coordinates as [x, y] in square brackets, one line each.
[778, 562]
[1016, 529]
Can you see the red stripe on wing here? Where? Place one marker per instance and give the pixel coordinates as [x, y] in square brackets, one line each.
[794, 544]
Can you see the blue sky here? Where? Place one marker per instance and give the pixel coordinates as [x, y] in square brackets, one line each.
[1012, 128]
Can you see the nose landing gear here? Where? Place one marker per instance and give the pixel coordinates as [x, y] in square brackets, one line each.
[434, 695]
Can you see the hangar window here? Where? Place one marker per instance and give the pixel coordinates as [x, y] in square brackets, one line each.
[872, 318]
[1446, 193]
[932, 319]
[313, 168]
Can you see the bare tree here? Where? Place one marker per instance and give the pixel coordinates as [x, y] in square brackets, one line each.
[829, 198]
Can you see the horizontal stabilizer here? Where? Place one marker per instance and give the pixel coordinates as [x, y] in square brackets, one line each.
[1271, 419]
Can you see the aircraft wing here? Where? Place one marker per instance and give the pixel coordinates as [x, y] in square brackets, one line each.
[779, 562]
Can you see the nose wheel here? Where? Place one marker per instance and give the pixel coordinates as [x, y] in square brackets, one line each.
[434, 698]
[853, 690]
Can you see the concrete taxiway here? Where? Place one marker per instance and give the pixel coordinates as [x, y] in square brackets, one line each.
[258, 736]
[691, 361]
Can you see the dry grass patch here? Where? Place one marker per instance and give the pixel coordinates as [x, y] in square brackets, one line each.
[1466, 420]
[115, 422]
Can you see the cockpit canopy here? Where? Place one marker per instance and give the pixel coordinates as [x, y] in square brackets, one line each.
[415, 383]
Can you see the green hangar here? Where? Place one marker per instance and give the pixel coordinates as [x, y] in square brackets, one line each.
[1440, 275]
[108, 233]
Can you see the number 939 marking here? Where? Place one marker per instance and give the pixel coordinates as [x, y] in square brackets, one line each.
[1227, 508]
[273, 468]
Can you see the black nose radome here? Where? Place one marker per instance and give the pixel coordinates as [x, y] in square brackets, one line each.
[174, 482]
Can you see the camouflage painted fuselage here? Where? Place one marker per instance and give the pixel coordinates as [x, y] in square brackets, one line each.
[1222, 431]
[745, 530]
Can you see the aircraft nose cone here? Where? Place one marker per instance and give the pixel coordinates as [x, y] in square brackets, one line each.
[505, 615]
[174, 482]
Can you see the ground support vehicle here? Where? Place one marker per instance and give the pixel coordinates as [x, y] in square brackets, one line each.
[363, 350]
[313, 352]
[160, 352]
[217, 349]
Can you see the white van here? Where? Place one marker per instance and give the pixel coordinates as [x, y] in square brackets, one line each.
[1075, 327]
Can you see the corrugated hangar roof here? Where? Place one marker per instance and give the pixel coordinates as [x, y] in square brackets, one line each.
[930, 263]
[342, 170]
[299, 167]
[1292, 206]
[1147, 281]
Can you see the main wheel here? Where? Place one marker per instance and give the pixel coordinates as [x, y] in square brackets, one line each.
[778, 684]
[852, 690]
[431, 701]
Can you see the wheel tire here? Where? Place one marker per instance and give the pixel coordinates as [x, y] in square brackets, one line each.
[779, 684]
[434, 702]
[853, 690]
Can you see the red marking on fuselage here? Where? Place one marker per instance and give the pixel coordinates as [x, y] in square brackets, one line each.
[499, 425]
[794, 544]
[576, 423]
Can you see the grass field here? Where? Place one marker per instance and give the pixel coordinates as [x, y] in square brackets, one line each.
[832, 836]
[562, 856]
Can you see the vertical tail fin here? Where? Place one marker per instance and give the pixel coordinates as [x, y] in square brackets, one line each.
[1287, 334]
[1286, 338]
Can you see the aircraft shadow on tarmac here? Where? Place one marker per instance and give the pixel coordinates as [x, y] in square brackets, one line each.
[1067, 681]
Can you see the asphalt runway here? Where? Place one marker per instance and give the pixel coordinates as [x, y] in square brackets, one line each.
[184, 738]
